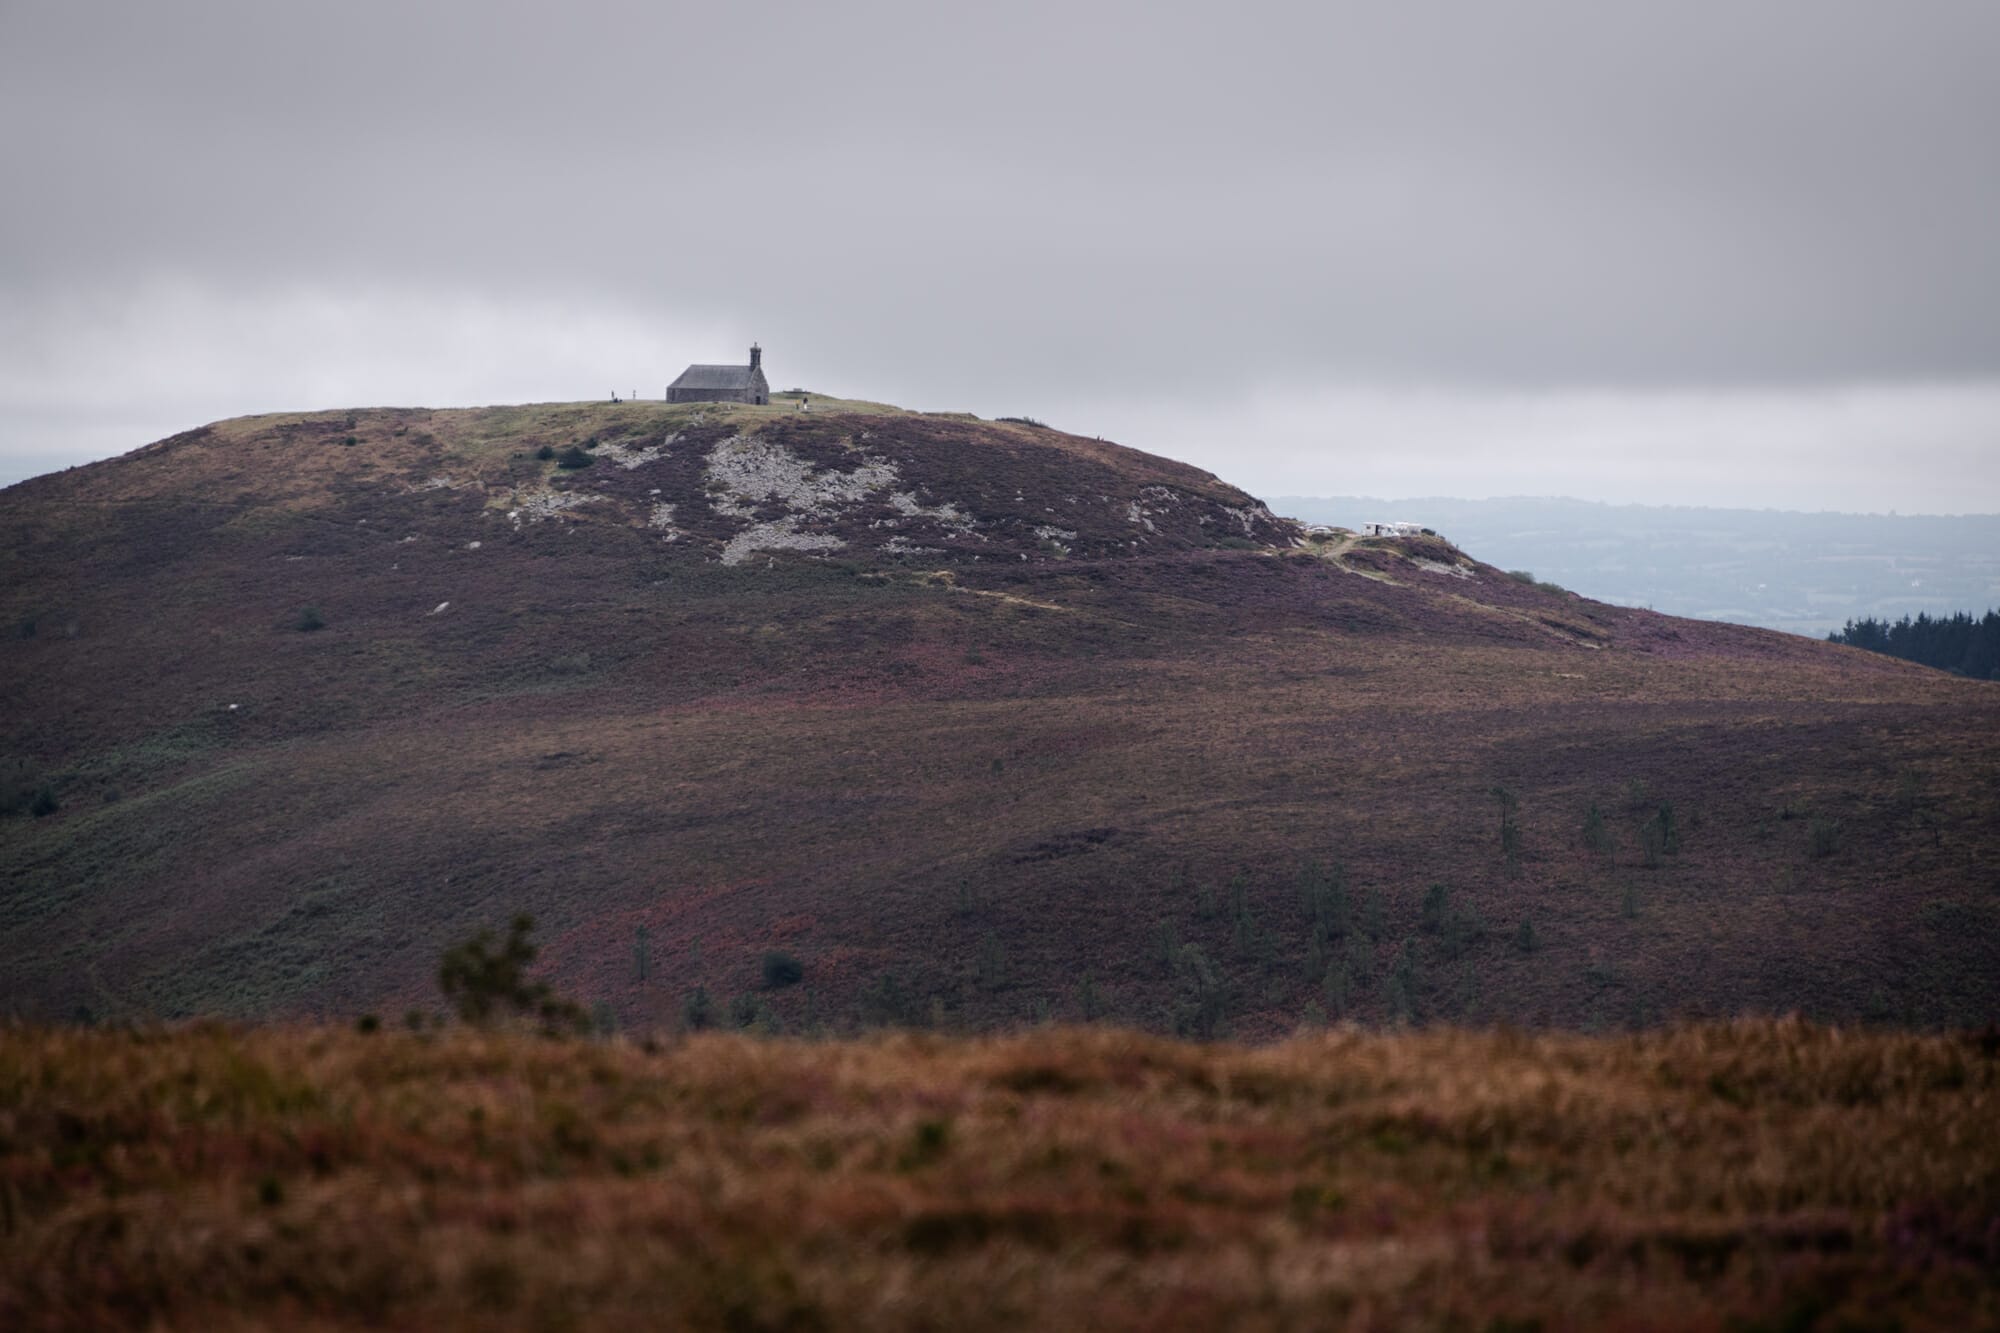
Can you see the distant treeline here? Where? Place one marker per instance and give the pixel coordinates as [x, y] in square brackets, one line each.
[1957, 643]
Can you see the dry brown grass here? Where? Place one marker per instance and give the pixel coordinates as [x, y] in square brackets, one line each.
[1751, 1175]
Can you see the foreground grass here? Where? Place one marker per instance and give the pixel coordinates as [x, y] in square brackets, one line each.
[1752, 1175]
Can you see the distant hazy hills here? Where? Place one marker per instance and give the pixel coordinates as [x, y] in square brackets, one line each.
[1806, 573]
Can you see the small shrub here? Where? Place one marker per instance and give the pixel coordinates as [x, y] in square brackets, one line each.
[308, 619]
[1510, 827]
[1669, 826]
[1207, 904]
[1336, 986]
[368, 1025]
[1524, 937]
[1323, 891]
[1200, 1006]
[546, 452]
[1461, 929]
[1399, 993]
[745, 1011]
[1649, 844]
[1822, 837]
[1359, 960]
[482, 979]
[45, 803]
[1372, 923]
[1089, 1003]
[1660, 835]
[1437, 906]
[698, 1010]
[574, 458]
[1524, 576]
[1596, 832]
[782, 969]
[1024, 421]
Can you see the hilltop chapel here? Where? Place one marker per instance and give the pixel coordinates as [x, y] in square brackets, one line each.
[723, 384]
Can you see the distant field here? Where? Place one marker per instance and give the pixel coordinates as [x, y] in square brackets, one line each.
[1756, 1175]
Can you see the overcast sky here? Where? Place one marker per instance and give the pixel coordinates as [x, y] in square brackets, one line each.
[1727, 252]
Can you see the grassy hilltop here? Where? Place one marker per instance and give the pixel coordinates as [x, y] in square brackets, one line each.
[980, 722]
[1765, 1175]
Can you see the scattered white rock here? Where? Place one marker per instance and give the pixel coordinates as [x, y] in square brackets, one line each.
[1048, 532]
[1248, 516]
[948, 513]
[440, 608]
[629, 458]
[540, 505]
[901, 546]
[1153, 501]
[747, 471]
[782, 535]
[472, 546]
[1439, 567]
[662, 521]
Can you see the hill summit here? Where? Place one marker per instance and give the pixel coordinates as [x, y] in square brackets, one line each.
[722, 481]
[819, 719]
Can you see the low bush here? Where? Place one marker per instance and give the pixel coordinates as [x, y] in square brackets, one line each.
[483, 979]
[1525, 576]
[698, 1010]
[747, 1011]
[1596, 833]
[782, 969]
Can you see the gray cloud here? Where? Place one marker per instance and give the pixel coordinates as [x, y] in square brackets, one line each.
[1116, 207]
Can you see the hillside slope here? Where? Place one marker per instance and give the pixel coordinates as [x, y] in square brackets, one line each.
[979, 721]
